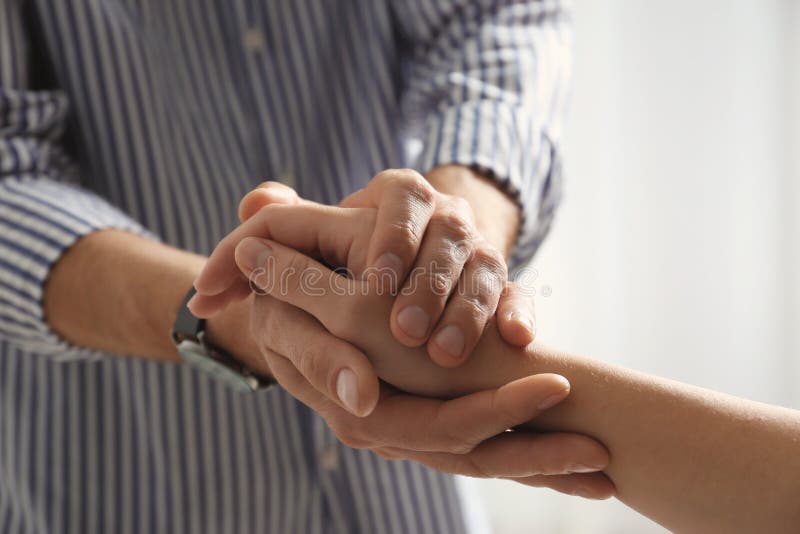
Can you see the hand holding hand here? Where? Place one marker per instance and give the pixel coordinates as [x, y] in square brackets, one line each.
[464, 435]
[422, 246]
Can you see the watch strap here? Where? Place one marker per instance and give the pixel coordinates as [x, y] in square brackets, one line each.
[189, 330]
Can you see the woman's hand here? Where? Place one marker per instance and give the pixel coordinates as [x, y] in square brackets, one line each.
[465, 435]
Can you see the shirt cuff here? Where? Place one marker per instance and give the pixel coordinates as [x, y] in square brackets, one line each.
[505, 144]
[39, 220]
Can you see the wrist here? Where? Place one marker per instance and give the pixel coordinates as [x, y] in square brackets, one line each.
[230, 331]
[114, 291]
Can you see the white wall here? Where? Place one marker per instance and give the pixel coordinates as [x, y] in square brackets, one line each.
[676, 248]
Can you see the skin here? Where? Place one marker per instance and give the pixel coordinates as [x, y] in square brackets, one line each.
[118, 292]
[691, 459]
[420, 224]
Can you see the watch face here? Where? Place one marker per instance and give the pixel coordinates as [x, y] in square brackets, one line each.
[197, 356]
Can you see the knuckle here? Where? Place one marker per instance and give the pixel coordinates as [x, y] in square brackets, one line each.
[461, 205]
[404, 231]
[417, 188]
[385, 175]
[311, 362]
[432, 281]
[475, 308]
[489, 258]
[453, 223]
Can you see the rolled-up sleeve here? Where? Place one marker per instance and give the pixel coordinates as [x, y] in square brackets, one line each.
[485, 84]
[43, 209]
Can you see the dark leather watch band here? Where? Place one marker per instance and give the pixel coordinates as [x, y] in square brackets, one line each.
[188, 334]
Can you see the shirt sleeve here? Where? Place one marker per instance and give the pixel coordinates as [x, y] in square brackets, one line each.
[485, 84]
[43, 209]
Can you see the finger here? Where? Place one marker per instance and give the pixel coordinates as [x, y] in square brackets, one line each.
[470, 307]
[264, 194]
[332, 366]
[516, 318]
[301, 281]
[458, 425]
[519, 454]
[290, 379]
[405, 202]
[594, 485]
[209, 305]
[448, 244]
[357, 199]
[586, 485]
[305, 227]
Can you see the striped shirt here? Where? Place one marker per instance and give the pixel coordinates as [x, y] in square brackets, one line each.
[156, 116]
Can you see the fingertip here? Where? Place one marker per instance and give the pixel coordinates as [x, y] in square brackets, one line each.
[594, 486]
[357, 392]
[442, 359]
[252, 253]
[410, 324]
[517, 328]
[371, 394]
[265, 194]
[215, 277]
[201, 283]
[202, 306]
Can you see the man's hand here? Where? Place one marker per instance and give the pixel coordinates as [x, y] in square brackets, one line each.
[428, 245]
[465, 435]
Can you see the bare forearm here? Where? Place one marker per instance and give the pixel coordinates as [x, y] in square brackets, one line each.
[691, 459]
[694, 460]
[117, 292]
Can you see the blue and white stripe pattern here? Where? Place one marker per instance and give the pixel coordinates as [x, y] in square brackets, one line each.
[156, 116]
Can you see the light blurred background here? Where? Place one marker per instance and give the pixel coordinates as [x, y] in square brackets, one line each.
[677, 247]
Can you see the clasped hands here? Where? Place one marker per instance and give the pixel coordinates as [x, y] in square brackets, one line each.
[369, 347]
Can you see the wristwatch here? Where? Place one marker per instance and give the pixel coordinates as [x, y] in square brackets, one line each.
[189, 335]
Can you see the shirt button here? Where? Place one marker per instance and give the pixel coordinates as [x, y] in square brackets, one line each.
[330, 459]
[254, 40]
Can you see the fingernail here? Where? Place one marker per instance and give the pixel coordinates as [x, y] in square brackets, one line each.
[451, 340]
[580, 468]
[413, 321]
[389, 265]
[554, 398]
[347, 390]
[523, 319]
[254, 253]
